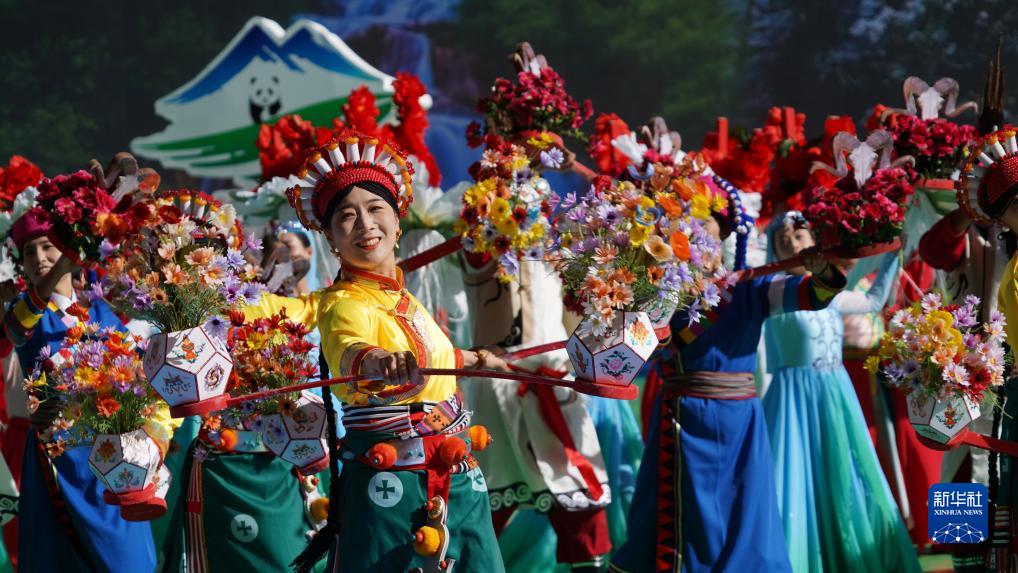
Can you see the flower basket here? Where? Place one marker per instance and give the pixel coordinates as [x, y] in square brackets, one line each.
[940, 420]
[660, 313]
[154, 507]
[189, 369]
[299, 436]
[616, 356]
[128, 465]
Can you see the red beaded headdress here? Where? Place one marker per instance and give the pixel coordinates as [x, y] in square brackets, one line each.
[990, 170]
[327, 171]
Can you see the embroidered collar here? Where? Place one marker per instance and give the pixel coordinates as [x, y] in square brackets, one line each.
[373, 280]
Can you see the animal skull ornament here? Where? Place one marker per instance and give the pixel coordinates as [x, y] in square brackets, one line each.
[524, 59]
[865, 157]
[657, 137]
[653, 136]
[928, 100]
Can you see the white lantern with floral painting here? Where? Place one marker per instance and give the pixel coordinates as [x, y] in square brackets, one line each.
[189, 369]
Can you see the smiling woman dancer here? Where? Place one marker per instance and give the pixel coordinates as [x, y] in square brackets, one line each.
[411, 495]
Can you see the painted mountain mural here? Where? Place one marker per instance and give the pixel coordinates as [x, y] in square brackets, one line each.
[263, 73]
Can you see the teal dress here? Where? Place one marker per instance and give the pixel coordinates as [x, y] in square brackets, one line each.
[836, 507]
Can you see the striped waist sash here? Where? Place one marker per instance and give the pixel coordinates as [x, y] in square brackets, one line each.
[712, 385]
[406, 421]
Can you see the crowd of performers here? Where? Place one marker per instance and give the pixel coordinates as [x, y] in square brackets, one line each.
[760, 442]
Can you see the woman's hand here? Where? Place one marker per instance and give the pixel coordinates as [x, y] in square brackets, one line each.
[817, 265]
[44, 415]
[487, 358]
[395, 368]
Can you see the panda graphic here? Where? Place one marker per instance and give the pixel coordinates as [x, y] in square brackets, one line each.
[264, 102]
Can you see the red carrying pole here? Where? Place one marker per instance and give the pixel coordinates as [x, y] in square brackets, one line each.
[627, 392]
[839, 252]
[233, 401]
[431, 255]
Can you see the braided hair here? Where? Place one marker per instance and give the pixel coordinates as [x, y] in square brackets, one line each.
[327, 536]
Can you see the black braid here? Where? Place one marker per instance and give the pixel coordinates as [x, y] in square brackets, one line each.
[325, 538]
[995, 432]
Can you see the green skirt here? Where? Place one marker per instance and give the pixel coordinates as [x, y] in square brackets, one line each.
[382, 509]
[250, 515]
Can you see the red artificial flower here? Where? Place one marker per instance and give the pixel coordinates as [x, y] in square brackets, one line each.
[608, 159]
[475, 135]
[78, 311]
[360, 111]
[19, 175]
[408, 134]
[282, 146]
[170, 214]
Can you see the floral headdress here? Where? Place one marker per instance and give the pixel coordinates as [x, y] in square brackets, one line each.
[329, 170]
[990, 171]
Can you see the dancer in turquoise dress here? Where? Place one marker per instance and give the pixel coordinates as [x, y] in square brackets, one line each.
[837, 510]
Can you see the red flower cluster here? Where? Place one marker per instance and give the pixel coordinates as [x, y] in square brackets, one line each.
[609, 160]
[844, 215]
[747, 161]
[937, 144]
[19, 174]
[536, 102]
[360, 112]
[413, 122]
[283, 146]
[84, 215]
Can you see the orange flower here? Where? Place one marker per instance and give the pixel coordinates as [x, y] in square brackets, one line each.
[605, 254]
[682, 189]
[74, 334]
[160, 296]
[680, 245]
[623, 276]
[287, 407]
[200, 257]
[174, 274]
[107, 407]
[78, 311]
[671, 205]
[655, 274]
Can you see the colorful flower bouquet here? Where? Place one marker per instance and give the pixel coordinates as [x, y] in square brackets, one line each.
[505, 214]
[183, 272]
[271, 353]
[88, 223]
[538, 102]
[97, 375]
[622, 252]
[849, 216]
[184, 267]
[536, 113]
[945, 360]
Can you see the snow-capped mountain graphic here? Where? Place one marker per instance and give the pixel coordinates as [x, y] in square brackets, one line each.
[263, 73]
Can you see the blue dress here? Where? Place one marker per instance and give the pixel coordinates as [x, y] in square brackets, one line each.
[100, 540]
[709, 459]
[836, 507]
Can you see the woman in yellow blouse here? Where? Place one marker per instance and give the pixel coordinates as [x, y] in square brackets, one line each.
[991, 175]
[411, 495]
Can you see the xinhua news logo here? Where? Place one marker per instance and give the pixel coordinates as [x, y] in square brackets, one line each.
[958, 513]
